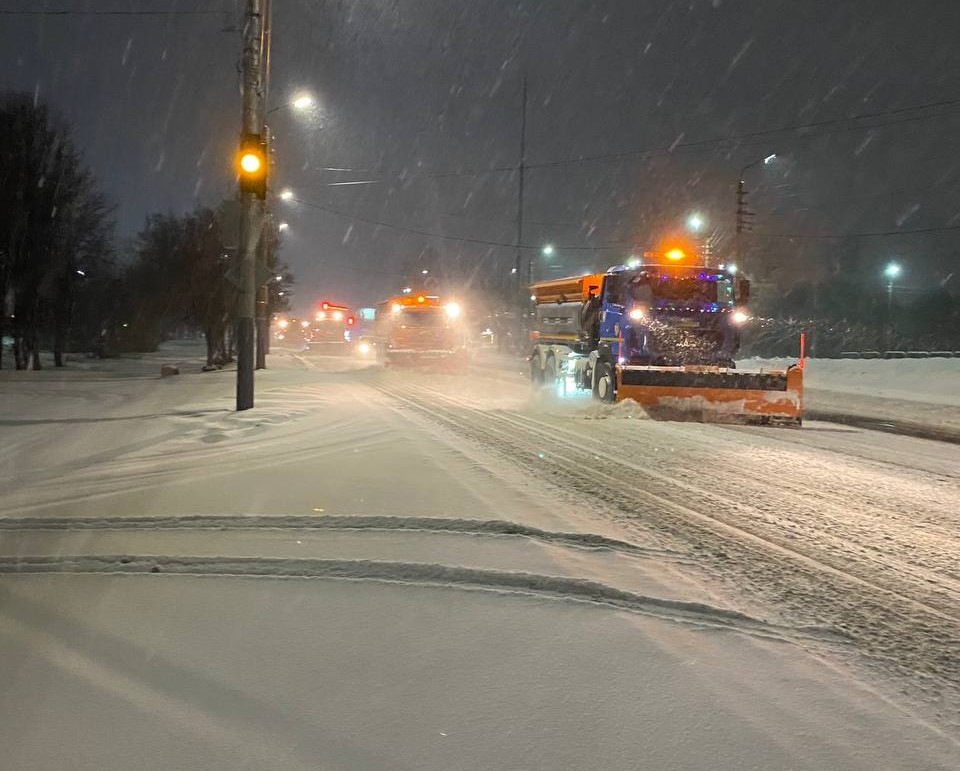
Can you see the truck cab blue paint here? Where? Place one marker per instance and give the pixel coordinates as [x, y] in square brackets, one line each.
[688, 319]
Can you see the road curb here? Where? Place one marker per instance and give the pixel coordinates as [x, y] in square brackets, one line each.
[901, 427]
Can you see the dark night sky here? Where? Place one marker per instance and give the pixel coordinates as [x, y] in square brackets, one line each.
[411, 87]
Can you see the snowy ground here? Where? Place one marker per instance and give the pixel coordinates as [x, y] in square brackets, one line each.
[911, 391]
[402, 570]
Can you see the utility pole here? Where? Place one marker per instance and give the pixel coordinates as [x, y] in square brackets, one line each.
[518, 268]
[265, 244]
[250, 202]
[743, 219]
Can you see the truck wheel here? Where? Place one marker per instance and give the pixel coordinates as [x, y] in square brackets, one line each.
[550, 371]
[536, 374]
[603, 383]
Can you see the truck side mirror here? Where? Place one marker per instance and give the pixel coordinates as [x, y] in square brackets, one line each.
[743, 290]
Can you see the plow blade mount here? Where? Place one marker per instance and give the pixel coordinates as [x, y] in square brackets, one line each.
[714, 394]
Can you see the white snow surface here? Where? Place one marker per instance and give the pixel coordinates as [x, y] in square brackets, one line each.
[414, 570]
[924, 392]
[933, 380]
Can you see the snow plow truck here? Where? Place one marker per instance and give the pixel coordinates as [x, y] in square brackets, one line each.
[664, 335]
[420, 329]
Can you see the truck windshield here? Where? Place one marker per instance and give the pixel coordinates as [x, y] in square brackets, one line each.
[692, 289]
[422, 317]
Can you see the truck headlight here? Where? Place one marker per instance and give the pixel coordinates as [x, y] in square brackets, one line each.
[452, 310]
[637, 313]
[739, 317]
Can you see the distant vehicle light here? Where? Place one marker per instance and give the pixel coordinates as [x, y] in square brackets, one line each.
[338, 316]
[325, 305]
[304, 323]
[321, 316]
[364, 348]
[283, 323]
[675, 254]
[739, 317]
[396, 307]
[452, 310]
[350, 321]
[636, 314]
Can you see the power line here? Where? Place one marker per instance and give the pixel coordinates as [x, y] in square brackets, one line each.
[877, 233]
[735, 139]
[707, 144]
[66, 12]
[460, 239]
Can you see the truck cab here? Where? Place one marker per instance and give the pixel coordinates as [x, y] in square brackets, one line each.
[671, 315]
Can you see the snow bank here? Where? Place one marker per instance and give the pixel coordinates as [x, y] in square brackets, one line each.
[924, 380]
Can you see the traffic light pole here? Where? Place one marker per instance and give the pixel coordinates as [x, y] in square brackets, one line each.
[266, 242]
[251, 206]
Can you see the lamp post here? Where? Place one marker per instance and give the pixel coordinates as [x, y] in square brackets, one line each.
[546, 251]
[743, 214]
[891, 272]
[696, 222]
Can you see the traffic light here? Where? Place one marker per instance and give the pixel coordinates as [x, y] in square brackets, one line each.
[252, 165]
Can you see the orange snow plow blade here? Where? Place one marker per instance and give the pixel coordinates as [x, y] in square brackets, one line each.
[692, 393]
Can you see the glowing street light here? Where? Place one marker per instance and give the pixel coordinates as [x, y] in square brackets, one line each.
[633, 262]
[892, 271]
[547, 250]
[286, 195]
[424, 272]
[695, 222]
[303, 102]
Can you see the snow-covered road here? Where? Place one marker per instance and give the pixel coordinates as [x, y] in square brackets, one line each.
[404, 570]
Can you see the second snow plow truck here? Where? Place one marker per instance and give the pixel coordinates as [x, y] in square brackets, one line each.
[664, 335]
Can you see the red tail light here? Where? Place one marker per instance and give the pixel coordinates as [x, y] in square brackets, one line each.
[349, 321]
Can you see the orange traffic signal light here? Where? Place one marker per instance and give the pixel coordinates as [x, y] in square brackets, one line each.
[252, 165]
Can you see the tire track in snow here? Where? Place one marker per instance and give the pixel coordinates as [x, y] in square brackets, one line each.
[902, 635]
[422, 574]
[491, 527]
[730, 506]
[836, 535]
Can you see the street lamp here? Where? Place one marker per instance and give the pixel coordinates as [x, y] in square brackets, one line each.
[286, 195]
[547, 250]
[892, 271]
[743, 214]
[302, 102]
[695, 223]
